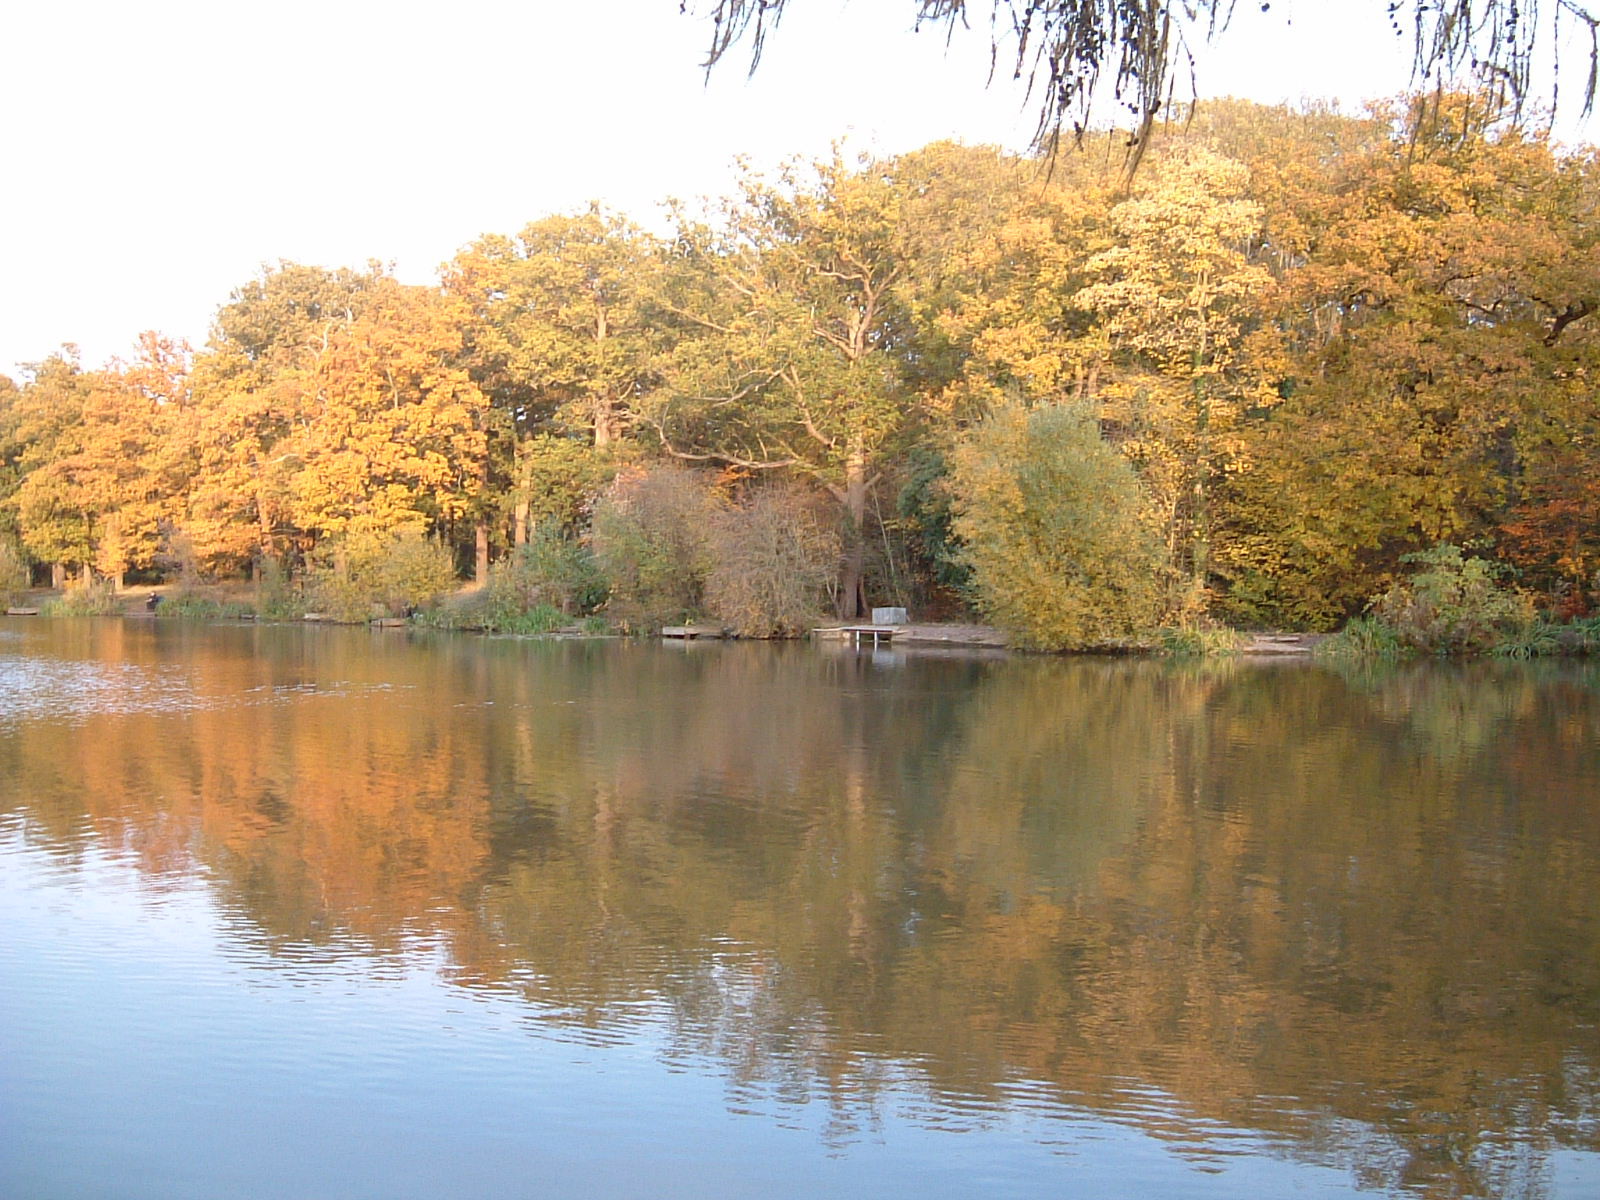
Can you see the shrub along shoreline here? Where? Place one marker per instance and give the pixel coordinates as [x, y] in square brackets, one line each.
[1452, 605]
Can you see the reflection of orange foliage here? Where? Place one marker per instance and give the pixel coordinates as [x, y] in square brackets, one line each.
[1158, 892]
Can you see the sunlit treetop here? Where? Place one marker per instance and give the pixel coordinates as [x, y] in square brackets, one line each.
[1081, 55]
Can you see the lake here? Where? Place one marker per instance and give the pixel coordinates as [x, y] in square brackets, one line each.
[325, 913]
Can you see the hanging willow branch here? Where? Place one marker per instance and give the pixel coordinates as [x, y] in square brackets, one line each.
[1066, 50]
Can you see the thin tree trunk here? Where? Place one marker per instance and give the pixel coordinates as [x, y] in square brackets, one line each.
[480, 564]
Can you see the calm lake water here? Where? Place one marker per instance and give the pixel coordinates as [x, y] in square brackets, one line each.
[328, 913]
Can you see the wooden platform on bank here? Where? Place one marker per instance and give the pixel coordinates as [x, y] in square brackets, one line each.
[915, 634]
[856, 634]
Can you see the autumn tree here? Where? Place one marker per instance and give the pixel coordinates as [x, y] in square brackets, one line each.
[272, 331]
[42, 423]
[1180, 302]
[335, 402]
[12, 448]
[102, 469]
[1443, 346]
[397, 440]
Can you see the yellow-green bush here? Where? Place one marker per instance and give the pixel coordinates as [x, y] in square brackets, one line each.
[1056, 530]
[375, 575]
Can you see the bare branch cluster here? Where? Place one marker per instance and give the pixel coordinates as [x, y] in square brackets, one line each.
[1070, 51]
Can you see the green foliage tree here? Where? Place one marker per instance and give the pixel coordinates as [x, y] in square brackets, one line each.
[926, 512]
[557, 480]
[804, 313]
[1057, 531]
[561, 335]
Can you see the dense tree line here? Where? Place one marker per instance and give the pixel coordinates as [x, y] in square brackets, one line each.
[1296, 348]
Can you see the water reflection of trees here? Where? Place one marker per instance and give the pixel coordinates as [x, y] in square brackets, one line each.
[1356, 915]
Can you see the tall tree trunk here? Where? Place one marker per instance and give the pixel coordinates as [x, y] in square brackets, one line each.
[606, 426]
[852, 601]
[263, 521]
[480, 562]
[519, 526]
[58, 575]
[1200, 546]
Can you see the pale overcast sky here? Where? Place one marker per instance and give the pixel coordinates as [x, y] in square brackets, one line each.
[158, 152]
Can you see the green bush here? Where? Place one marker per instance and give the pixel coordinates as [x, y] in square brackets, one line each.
[277, 599]
[1581, 635]
[381, 575]
[1453, 604]
[651, 537]
[541, 618]
[194, 605]
[925, 509]
[1363, 638]
[774, 562]
[1197, 642]
[540, 588]
[1536, 640]
[550, 571]
[1056, 530]
[14, 574]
